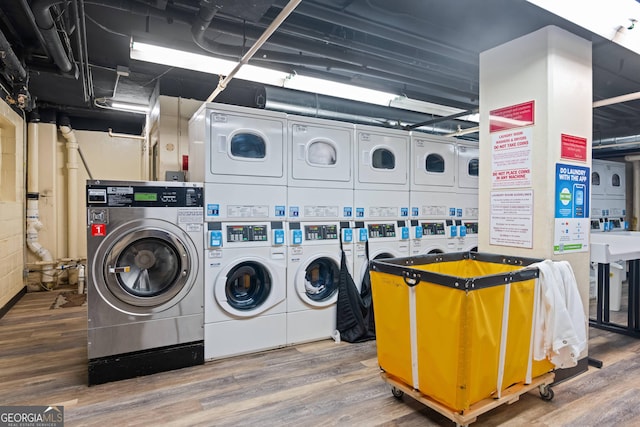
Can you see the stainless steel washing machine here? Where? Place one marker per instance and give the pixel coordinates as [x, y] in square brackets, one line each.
[145, 277]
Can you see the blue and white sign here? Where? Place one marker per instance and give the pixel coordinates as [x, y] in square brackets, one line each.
[571, 209]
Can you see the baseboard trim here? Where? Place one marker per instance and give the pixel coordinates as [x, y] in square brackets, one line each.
[4, 310]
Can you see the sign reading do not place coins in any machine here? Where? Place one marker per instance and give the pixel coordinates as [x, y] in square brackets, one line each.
[511, 142]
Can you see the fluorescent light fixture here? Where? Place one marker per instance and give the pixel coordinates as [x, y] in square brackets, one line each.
[203, 63]
[339, 90]
[615, 20]
[430, 108]
[134, 108]
[192, 61]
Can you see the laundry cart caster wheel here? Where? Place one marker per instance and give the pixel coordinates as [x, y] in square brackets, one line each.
[397, 393]
[546, 393]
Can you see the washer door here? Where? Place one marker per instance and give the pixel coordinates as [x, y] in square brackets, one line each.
[145, 266]
[317, 281]
[248, 287]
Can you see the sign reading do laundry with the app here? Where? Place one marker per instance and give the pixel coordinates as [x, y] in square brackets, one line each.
[571, 208]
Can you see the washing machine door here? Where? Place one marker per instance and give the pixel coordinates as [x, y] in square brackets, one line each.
[317, 281]
[248, 288]
[145, 266]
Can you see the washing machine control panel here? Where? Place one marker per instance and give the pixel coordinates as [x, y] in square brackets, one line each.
[129, 196]
[433, 228]
[472, 227]
[247, 233]
[321, 232]
[381, 230]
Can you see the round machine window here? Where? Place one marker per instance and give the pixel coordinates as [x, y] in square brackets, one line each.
[321, 279]
[148, 267]
[434, 163]
[595, 178]
[248, 145]
[248, 286]
[383, 158]
[322, 153]
[473, 168]
[615, 180]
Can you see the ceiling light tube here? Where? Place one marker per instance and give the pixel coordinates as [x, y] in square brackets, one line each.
[339, 90]
[134, 108]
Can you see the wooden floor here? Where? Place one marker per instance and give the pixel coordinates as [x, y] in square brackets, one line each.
[43, 361]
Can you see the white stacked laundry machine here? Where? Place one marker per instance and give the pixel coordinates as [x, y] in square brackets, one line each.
[433, 193]
[467, 166]
[381, 196]
[240, 154]
[320, 197]
[608, 196]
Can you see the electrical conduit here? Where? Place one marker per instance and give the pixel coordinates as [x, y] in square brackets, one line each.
[33, 216]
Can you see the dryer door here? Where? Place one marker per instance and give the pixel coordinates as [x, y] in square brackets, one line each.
[145, 266]
[248, 287]
[317, 281]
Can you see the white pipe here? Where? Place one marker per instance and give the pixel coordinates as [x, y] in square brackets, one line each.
[461, 132]
[222, 84]
[33, 161]
[615, 145]
[33, 215]
[80, 278]
[124, 135]
[33, 226]
[72, 191]
[617, 99]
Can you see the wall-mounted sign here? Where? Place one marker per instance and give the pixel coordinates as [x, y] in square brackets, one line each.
[511, 158]
[573, 147]
[571, 209]
[512, 218]
[513, 116]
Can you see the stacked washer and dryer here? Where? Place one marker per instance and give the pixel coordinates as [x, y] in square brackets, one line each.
[608, 196]
[145, 277]
[467, 188]
[381, 196]
[434, 201]
[240, 155]
[320, 198]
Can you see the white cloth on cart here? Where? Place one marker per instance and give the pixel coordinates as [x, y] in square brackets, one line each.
[560, 326]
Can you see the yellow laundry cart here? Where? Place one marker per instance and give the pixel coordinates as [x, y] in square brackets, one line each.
[455, 330]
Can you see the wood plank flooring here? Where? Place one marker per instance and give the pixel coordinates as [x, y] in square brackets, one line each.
[43, 361]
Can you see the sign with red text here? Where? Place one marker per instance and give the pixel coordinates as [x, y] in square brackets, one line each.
[573, 147]
[513, 116]
[511, 158]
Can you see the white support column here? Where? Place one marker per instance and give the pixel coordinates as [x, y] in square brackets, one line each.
[549, 73]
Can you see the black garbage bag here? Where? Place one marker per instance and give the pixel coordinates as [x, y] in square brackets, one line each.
[355, 320]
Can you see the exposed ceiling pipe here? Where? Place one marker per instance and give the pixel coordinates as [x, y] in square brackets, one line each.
[10, 60]
[443, 119]
[617, 99]
[328, 107]
[286, 11]
[326, 58]
[34, 26]
[44, 21]
[467, 131]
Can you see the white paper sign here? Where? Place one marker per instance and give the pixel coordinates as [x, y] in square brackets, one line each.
[512, 218]
[511, 158]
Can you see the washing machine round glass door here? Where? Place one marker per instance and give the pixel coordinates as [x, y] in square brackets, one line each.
[319, 286]
[147, 269]
[248, 286]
